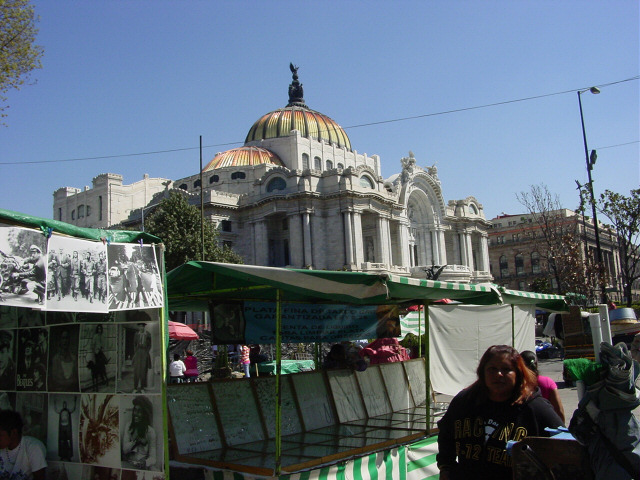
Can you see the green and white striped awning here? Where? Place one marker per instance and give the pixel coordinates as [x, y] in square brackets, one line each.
[193, 285]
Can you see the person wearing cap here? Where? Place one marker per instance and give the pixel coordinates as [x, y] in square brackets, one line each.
[75, 275]
[21, 456]
[34, 273]
[139, 439]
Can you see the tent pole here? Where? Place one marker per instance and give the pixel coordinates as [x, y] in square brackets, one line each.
[419, 334]
[427, 373]
[513, 325]
[278, 384]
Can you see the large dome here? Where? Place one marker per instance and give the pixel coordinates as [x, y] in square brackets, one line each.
[310, 123]
[243, 157]
[297, 116]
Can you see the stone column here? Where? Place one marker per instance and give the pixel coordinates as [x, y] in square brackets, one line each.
[306, 231]
[261, 243]
[406, 253]
[442, 248]
[357, 236]
[484, 254]
[296, 241]
[383, 241]
[469, 250]
[348, 236]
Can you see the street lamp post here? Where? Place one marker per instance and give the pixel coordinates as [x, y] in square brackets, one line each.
[591, 160]
[146, 208]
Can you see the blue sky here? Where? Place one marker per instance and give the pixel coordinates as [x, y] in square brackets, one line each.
[122, 78]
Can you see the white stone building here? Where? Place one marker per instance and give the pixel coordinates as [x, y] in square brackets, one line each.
[297, 194]
[108, 203]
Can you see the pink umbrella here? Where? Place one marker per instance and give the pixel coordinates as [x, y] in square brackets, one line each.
[180, 331]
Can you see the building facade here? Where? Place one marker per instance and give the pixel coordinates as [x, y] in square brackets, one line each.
[297, 194]
[108, 202]
[517, 260]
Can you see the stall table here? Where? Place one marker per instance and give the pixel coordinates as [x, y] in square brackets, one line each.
[287, 366]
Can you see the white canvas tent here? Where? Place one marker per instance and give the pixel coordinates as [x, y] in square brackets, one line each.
[460, 334]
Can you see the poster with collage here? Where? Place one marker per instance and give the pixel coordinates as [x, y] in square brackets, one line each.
[80, 353]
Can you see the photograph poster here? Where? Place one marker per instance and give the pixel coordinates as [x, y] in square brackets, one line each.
[32, 359]
[62, 432]
[141, 432]
[23, 267]
[98, 438]
[98, 357]
[76, 275]
[63, 359]
[134, 277]
[139, 358]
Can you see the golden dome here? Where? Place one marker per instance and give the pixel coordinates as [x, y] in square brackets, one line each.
[243, 157]
[310, 123]
[297, 116]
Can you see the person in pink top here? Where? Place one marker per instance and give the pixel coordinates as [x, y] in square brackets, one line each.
[548, 388]
[245, 360]
[191, 363]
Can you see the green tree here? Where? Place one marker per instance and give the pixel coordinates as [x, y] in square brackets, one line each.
[178, 224]
[624, 213]
[18, 54]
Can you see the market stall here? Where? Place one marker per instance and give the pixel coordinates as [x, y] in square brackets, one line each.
[251, 304]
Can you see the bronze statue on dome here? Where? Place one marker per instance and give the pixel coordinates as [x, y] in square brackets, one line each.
[296, 94]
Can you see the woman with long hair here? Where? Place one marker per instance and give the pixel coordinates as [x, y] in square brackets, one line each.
[139, 438]
[503, 404]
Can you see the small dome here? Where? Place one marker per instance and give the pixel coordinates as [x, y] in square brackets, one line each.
[310, 123]
[297, 116]
[243, 157]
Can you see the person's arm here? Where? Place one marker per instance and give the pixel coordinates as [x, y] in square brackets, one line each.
[151, 459]
[36, 454]
[127, 441]
[446, 456]
[554, 399]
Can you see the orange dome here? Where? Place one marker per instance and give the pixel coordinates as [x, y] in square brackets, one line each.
[243, 157]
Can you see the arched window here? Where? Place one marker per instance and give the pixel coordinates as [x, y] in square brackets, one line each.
[277, 183]
[473, 209]
[317, 163]
[214, 179]
[183, 186]
[305, 161]
[329, 165]
[196, 184]
[341, 166]
[519, 264]
[504, 266]
[88, 210]
[366, 182]
[535, 262]
[73, 214]
[81, 211]
[238, 176]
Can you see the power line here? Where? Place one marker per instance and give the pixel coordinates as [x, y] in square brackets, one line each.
[381, 122]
